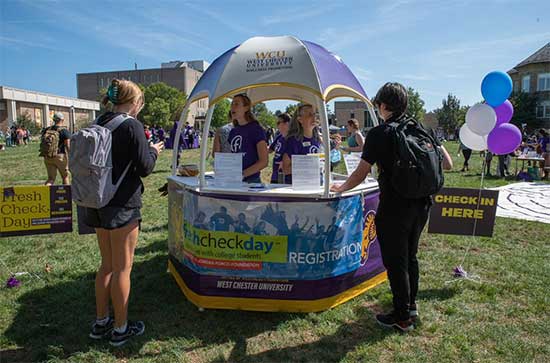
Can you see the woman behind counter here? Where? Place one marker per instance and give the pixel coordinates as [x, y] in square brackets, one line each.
[247, 137]
[303, 138]
[277, 176]
[356, 140]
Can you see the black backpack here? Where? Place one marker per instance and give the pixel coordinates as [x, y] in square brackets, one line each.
[417, 171]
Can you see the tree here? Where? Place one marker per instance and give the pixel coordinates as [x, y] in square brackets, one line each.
[525, 105]
[102, 93]
[221, 110]
[462, 115]
[263, 115]
[162, 113]
[415, 107]
[158, 113]
[26, 121]
[291, 109]
[448, 116]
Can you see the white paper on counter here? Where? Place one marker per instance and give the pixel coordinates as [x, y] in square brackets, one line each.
[305, 172]
[352, 162]
[228, 168]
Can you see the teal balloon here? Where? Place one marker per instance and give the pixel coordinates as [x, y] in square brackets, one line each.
[496, 87]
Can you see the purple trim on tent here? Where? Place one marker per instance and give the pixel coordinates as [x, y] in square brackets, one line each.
[213, 73]
[331, 70]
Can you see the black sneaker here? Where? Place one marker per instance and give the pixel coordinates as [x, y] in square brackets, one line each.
[391, 321]
[101, 331]
[134, 328]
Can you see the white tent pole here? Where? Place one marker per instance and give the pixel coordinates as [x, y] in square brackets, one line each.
[372, 113]
[204, 146]
[374, 170]
[326, 144]
[175, 144]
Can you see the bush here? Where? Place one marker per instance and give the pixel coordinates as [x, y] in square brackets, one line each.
[27, 122]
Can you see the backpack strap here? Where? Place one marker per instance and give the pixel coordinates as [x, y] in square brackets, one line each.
[121, 178]
[112, 125]
[116, 121]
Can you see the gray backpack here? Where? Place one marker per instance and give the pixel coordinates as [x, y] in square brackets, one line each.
[91, 164]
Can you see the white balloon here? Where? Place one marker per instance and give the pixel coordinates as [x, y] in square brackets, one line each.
[481, 119]
[472, 140]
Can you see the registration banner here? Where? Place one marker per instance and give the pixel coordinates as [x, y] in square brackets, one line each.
[26, 210]
[463, 211]
[222, 261]
[302, 240]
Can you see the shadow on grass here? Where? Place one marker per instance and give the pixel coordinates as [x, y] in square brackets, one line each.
[156, 246]
[54, 321]
[436, 294]
[331, 348]
[155, 228]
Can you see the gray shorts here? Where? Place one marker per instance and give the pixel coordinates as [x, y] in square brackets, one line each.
[111, 217]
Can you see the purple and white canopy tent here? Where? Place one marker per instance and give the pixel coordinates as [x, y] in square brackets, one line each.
[271, 68]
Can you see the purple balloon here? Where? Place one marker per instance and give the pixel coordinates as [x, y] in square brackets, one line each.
[504, 112]
[504, 139]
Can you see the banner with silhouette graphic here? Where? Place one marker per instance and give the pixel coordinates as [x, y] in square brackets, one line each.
[308, 255]
[271, 239]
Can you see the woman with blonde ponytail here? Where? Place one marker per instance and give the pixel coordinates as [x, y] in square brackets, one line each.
[117, 224]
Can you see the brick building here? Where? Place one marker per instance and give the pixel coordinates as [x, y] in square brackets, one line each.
[182, 75]
[40, 107]
[533, 76]
[345, 110]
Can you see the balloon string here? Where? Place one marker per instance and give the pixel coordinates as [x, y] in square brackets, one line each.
[478, 204]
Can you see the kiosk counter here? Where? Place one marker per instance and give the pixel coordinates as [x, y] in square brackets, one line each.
[272, 248]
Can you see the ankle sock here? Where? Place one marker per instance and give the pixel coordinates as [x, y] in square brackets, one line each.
[121, 329]
[102, 321]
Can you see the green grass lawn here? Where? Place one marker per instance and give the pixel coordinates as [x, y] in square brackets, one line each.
[505, 318]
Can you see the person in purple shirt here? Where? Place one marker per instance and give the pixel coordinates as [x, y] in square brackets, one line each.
[303, 138]
[277, 176]
[544, 148]
[249, 138]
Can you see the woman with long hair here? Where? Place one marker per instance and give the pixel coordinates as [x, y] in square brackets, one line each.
[248, 137]
[356, 140]
[117, 224]
[303, 138]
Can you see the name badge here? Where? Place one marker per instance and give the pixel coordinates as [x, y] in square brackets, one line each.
[306, 143]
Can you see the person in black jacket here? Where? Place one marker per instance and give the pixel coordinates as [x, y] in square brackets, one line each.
[117, 224]
[399, 221]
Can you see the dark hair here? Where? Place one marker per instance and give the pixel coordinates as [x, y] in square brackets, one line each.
[248, 115]
[543, 132]
[353, 122]
[284, 117]
[394, 96]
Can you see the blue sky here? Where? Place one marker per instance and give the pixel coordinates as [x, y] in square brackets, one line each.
[436, 47]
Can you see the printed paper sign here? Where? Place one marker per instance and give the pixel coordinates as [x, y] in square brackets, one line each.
[352, 162]
[228, 168]
[305, 172]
